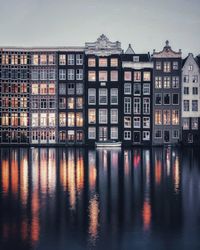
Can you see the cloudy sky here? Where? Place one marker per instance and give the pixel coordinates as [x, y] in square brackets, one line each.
[146, 24]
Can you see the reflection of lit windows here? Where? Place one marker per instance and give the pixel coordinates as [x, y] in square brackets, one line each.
[71, 119]
[43, 89]
[52, 119]
[23, 59]
[127, 88]
[158, 134]
[79, 102]
[127, 105]
[34, 120]
[70, 74]
[186, 123]
[114, 75]
[175, 133]
[146, 135]
[70, 103]
[52, 89]
[62, 136]
[79, 119]
[43, 59]
[137, 76]
[14, 119]
[23, 102]
[114, 133]
[91, 76]
[91, 133]
[91, 116]
[136, 122]
[127, 76]
[127, 135]
[92, 96]
[114, 96]
[103, 62]
[127, 122]
[103, 96]
[166, 117]
[70, 135]
[103, 76]
[103, 117]
[194, 123]
[79, 59]
[167, 67]
[158, 82]
[23, 119]
[5, 59]
[91, 62]
[158, 117]
[146, 76]
[43, 119]
[70, 59]
[62, 59]
[113, 62]
[51, 59]
[5, 119]
[35, 59]
[62, 119]
[146, 122]
[114, 116]
[175, 117]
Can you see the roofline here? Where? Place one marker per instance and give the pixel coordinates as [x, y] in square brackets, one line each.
[33, 49]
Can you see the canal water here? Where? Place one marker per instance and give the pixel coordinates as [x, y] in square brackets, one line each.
[77, 198]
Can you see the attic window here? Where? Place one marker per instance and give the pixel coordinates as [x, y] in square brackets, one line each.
[136, 58]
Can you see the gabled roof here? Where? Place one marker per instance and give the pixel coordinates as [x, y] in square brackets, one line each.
[184, 61]
[167, 52]
[129, 50]
[197, 59]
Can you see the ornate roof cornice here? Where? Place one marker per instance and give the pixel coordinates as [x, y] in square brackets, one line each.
[167, 52]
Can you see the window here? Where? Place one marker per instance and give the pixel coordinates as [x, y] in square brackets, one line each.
[43, 59]
[114, 116]
[114, 133]
[146, 76]
[70, 74]
[5, 59]
[71, 119]
[146, 106]
[70, 59]
[195, 91]
[136, 58]
[186, 78]
[43, 103]
[79, 102]
[166, 117]
[158, 134]
[103, 116]
[195, 79]
[79, 74]
[70, 103]
[34, 89]
[103, 76]
[175, 99]
[70, 88]
[175, 65]
[158, 117]
[127, 105]
[35, 59]
[136, 122]
[136, 106]
[175, 133]
[91, 62]
[62, 59]
[34, 74]
[62, 74]
[5, 119]
[127, 76]
[127, 121]
[91, 133]
[194, 105]
[92, 96]
[52, 74]
[91, 116]
[62, 103]
[127, 135]
[175, 82]
[62, 89]
[175, 117]
[194, 123]
[79, 89]
[52, 104]
[137, 76]
[158, 65]
[166, 83]
[114, 96]
[43, 119]
[43, 89]
[52, 119]
[146, 122]
[79, 119]
[146, 89]
[62, 119]
[103, 96]
[23, 119]
[114, 75]
[35, 104]
[137, 89]
[113, 62]
[158, 99]
[103, 62]
[23, 59]
[186, 105]
[51, 59]
[190, 67]
[146, 135]
[43, 74]
[166, 99]
[79, 59]
[186, 90]
[127, 88]
[91, 76]
[158, 82]
[34, 120]
[167, 67]
[52, 90]
[186, 123]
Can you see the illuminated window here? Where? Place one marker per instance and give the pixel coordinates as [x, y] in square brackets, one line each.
[127, 122]
[70, 103]
[91, 76]
[137, 76]
[34, 89]
[23, 88]
[166, 82]
[43, 89]
[146, 76]
[62, 119]
[127, 76]
[136, 105]
[79, 119]
[194, 123]
[114, 133]
[5, 59]
[91, 62]
[127, 105]
[52, 119]
[79, 102]
[5, 119]
[158, 82]
[43, 59]
[103, 116]
[186, 123]
[34, 119]
[103, 62]
[103, 96]
[70, 135]
[71, 119]
[62, 59]
[166, 117]
[167, 67]
[114, 96]
[14, 59]
[113, 62]
[35, 59]
[5, 102]
[114, 116]
[175, 117]
[70, 59]
[23, 59]
[23, 102]
[52, 135]
[136, 122]
[70, 74]
[175, 82]
[51, 59]
[14, 102]
[92, 96]
[158, 117]
[62, 136]
[91, 116]
[103, 76]
[146, 122]
[114, 75]
[158, 65]
[52, 90]
[91, 133]
[23, 120]
[43, 119]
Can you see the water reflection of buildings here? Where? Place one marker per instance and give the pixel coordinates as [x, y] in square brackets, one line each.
[93, 192]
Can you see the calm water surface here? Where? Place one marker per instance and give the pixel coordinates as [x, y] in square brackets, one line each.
[99, 199]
